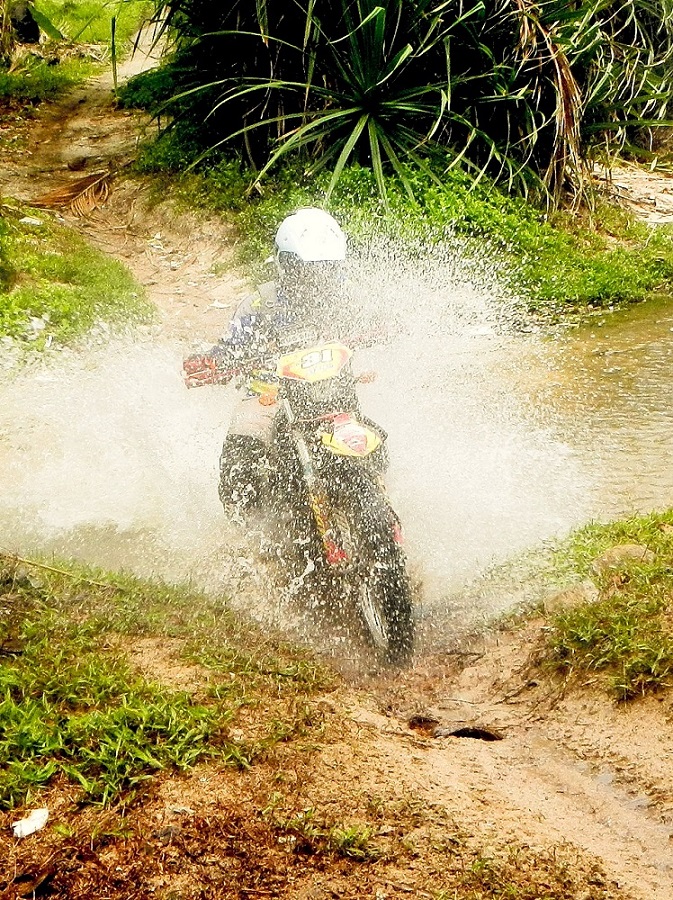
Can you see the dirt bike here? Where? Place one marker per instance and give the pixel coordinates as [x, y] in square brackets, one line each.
[325, 465]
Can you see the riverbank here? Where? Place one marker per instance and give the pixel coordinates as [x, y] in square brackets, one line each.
[238, 765]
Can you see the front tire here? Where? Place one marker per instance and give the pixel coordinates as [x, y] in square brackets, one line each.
[379, 583]
[385, 606]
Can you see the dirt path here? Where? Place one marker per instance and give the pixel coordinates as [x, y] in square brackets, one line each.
[183, 259]
[576, 770]
[569, 771]
[649, 195]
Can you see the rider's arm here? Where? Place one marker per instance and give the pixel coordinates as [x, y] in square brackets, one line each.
[243, 341]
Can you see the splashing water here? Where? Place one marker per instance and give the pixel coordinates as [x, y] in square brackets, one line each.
[475, 476]
[106, 457]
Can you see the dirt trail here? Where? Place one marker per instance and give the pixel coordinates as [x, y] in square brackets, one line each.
[649, 195]
[573, 770]
[184, 260]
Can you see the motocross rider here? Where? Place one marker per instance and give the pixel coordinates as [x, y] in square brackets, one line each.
[310, 249]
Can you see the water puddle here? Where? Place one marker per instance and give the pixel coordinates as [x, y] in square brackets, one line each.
[498, 441]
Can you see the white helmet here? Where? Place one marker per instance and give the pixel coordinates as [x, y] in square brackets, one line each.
[311, 235]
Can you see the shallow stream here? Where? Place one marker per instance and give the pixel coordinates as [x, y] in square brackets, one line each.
[499, 441]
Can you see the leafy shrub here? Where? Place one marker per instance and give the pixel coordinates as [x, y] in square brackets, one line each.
[555, 269]
[520, 90]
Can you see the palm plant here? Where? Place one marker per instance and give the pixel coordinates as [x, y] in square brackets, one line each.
[6, 36]
[517, 89]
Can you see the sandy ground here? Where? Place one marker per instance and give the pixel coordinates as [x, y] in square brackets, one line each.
[572, 769]
[647, 194]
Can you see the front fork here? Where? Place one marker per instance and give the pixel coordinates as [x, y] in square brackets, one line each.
[334, 539]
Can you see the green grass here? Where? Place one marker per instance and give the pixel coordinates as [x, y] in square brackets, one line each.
[60, 65]
[317, 835]
[73, 708]
[49, 272]
[557, 268]
[623, 641]
[34, 80]
[89, 20]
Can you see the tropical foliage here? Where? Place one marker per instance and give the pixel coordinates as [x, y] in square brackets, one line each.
[516, 89]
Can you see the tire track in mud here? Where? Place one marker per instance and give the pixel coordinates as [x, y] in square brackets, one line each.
[529, 789]
[573, 766]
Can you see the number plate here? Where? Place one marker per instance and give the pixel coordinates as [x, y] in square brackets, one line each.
[314, 363]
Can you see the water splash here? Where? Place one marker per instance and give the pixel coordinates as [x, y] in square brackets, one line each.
[106, 457]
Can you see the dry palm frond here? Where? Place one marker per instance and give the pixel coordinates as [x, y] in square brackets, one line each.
[6, 35]
[82, 196]
[537, 43]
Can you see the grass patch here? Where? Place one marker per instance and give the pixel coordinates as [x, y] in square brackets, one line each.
[90, 20]
[624, 640]
[73, 707]
[558, 266]
[49, 273]
[35, 80]
[57, 66]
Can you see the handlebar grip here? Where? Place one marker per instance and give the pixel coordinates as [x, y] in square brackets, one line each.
[200, 370]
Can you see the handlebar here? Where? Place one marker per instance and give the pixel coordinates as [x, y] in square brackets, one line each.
[203, 369]
[200, 370]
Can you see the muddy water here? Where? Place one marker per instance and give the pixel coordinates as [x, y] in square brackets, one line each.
[499, 441]
[609, 389]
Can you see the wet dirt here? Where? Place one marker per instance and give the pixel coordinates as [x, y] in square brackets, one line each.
[648, 194]
[571, 767]
[571, 771]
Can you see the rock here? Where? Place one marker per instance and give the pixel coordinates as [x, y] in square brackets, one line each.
[23, 577]
[25, 27]
[31, 220]
[77, 163]
[20, 576]
[166, 835]
[423, 722]
[621, 557]
[585, 592]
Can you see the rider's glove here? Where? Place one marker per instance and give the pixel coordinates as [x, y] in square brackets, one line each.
[202, 369]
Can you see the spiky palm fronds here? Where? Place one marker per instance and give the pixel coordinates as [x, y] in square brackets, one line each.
[515, 88]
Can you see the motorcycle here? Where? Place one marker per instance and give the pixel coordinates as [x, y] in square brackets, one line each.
[325, 465]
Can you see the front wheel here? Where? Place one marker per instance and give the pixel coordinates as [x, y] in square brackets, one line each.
[378, 581]
[384, 601]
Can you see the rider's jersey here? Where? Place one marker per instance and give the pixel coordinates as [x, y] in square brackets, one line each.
[257, 311]
[263, 316]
